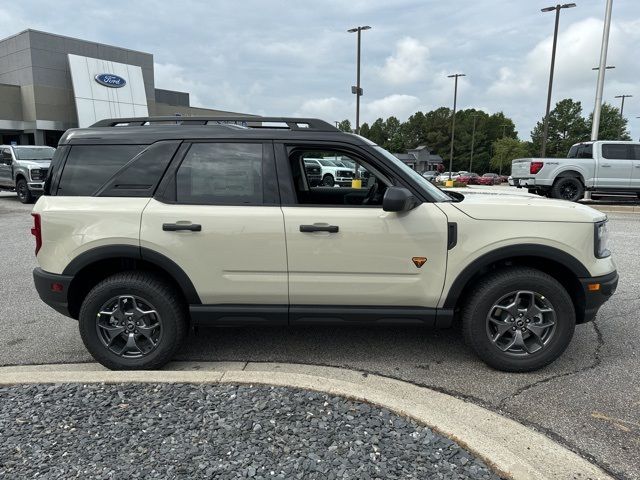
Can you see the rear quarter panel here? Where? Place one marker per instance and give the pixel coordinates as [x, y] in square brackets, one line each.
[73, 225]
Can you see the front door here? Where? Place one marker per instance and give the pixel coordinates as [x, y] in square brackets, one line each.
[6, 171]
[614, 166]
[635, 173]
[344, 250]
[219, 219]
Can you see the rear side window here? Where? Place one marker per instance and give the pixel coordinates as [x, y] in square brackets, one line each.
[616, 151]
[221, 174]
[88, 167]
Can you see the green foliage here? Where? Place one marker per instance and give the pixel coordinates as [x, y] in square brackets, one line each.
[433, 129]
[505, 150]
[612, 125]
[345, 126]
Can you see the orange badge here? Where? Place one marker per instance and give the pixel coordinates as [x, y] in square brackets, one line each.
[419, 261]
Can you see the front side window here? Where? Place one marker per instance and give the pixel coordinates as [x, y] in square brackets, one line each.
[221, 174]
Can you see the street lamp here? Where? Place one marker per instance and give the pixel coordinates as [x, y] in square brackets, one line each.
[453, 120]
[557, 9]
[604, 46]
[622, 106]
[473, 139]
[356, 89]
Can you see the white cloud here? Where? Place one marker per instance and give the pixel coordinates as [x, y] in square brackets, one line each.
[329, 109]
[407, 64]
[401, 106]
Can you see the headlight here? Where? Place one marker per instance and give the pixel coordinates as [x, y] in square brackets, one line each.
[601, 240]
[36, 174]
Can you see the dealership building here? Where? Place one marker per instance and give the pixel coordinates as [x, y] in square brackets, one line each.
[49, 83]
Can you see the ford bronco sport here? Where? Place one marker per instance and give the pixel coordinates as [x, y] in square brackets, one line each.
[150, 226]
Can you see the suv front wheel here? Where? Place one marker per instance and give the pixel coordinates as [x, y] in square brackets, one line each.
[22, 189]
[133, 321]
[518, 319]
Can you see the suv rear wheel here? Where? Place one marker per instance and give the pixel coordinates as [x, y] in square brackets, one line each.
[567, 188]
[518, 319]
[132, 321]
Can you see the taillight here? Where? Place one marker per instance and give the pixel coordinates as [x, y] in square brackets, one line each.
[36, 231]
[535, 167]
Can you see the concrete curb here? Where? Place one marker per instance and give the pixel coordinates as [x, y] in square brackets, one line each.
[614, 208]
[511, 449]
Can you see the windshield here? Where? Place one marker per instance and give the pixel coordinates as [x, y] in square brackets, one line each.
[435, 192]
[327, 163]
[34, 153]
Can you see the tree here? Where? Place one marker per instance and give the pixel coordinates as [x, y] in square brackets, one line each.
[612, 125]
[505, 150]
[393, 131]
[377, 132]
[566, 127]
[345, 126]
[364, 130]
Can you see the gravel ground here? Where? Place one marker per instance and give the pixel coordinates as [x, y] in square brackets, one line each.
[221, 431]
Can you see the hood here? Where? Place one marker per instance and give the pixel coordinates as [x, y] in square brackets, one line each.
[34, 163]
[502, 204]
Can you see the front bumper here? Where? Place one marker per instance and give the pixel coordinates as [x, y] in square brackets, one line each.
[56, 298]
[36, 186]
[595, 298]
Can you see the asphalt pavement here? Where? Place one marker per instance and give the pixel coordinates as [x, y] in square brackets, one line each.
[588, 400]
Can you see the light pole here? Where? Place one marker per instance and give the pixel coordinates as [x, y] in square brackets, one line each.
[357, 90]
[557, 9]
[622, 105]
[453, 120]
[595, 128]
[608, 67]
[473, 139]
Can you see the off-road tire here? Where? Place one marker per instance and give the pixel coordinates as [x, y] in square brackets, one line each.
[489, 290]
[23, 192]
[328, 180]
[567, 188]
[158, 292]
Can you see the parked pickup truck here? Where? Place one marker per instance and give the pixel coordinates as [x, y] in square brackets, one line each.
[605, 166]
[24, 169]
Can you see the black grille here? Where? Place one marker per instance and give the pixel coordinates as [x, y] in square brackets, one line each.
[345, 173]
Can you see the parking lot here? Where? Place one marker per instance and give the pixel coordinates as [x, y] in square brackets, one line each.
[589, 399]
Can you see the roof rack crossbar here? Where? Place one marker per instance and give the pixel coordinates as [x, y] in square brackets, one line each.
[306, 124]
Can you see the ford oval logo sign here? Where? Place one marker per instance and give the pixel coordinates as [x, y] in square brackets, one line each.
[110, 80]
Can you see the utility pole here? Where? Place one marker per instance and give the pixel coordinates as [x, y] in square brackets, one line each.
[473, 139]
[601, 70]
[622, 105]
[453, 120]
[545, 131]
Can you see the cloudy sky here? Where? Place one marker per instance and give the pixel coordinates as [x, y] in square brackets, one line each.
[282, 57]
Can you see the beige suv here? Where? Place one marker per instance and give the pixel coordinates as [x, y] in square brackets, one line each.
[149, 227]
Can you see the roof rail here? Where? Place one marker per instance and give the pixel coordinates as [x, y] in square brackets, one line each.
[249, 121]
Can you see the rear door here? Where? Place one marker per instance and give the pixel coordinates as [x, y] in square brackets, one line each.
[615, 165]
[635, 173]
[217, 216]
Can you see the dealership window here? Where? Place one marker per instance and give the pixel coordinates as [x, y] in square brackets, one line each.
[325, 177]
[221, 174]
[88, 167]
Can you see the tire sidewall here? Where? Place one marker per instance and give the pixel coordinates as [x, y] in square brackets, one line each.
[87, 323]
[572, 180]
[27, 197]
[328, 180]
[565, 323]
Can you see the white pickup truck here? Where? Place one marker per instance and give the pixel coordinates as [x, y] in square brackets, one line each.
[605, 166]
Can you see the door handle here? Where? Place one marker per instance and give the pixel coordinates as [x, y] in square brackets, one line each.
[319, 228]
[174, 227]
[605, 165]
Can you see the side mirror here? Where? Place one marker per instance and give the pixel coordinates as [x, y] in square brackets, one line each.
[398, 199]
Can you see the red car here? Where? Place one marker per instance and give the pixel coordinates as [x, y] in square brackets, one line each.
[489, 179]
[468, 178]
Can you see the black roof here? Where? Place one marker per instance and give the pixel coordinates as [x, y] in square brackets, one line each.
[146, 130]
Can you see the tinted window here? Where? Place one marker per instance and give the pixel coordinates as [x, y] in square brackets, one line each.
[636, 152]
[221, 173]
[586, 151]
[88, 167]
[618, 151]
